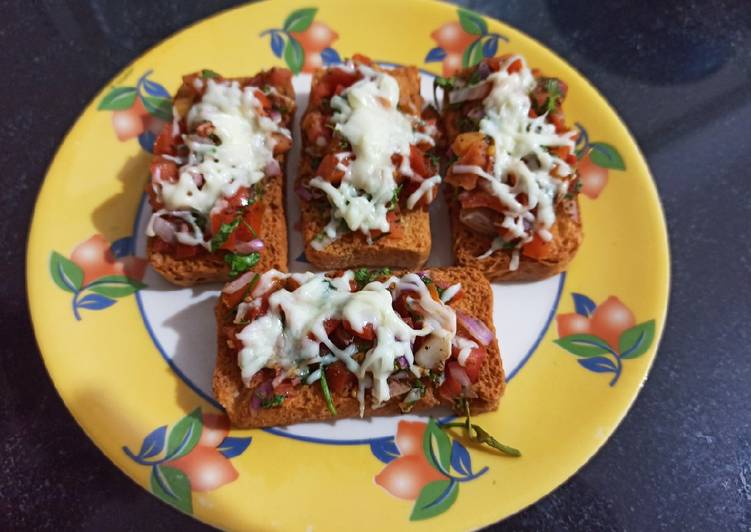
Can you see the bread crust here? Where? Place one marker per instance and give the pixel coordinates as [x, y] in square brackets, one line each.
[308, 404]
[406, 246]
[469, 245]
[210, 267]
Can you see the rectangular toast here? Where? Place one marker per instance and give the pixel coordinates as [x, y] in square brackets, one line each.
[242, 225]
[271, 397]
[334, 237]
[511, 185]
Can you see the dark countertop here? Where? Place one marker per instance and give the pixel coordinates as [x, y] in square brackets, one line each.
[679, 73]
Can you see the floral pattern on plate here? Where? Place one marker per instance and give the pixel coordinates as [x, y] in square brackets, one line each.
[603, 336]
[192, 456]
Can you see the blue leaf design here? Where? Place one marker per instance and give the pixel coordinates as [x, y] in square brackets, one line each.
[153, 444]
[460, 459]
[330, 56]
[385, 450]
[153, 88]
[146, 140]
[122, 247]
[231, 447]
[435, 54]
[598, 364]
[490, 47]
[277, 44]
[95, 302]
[583, 304]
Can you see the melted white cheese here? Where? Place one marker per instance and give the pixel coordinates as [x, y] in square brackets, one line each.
[291, 334]
[367, 116]
[246, 147]
[521, 149]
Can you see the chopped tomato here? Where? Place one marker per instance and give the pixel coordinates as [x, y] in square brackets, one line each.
[248, 229]
[556, 118]
[451, 388]
[328, 169]
[538, 249]
[342, 338]
[262, 99]
[240, 199]
[282, 143]
[367, 333]
[284, 388]
[236, 297]
[339, 378]
[164, 170]
[314, 126]
[183, 251]
[164, 143]
[330, 81]
[417, 162]
[279, 77]
[564, 152]
[474, 362]
[329, 326]
[515, 66]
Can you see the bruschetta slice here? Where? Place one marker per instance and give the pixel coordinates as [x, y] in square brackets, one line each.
[369, 167]
[511, 183]
[217, 178]
[319, 346]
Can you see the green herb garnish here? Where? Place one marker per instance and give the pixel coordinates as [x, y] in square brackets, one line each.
[273, 402]
[208, 73]
[395, 198]
[363, 276]
[240, 263]
[445, 84]
[225, 230]
[326, 392]
[475, 77]
[553, 89]
[481, 436]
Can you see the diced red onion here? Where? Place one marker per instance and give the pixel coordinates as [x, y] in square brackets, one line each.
[278, 379]
[473, 92]
[255, 402]
[476, 113]
[483, 70]
[459, 375]
[304, 193]
[402, 362]
[248, 247]
[238, 283]
[475, 327]
[273, 168]
[198, 180]
[164, 230]
[275, 116]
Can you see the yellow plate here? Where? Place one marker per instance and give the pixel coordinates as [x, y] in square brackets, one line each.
[131, 356]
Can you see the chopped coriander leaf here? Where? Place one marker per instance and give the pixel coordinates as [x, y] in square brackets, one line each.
[435, 159]
[240, 263]
[363, 276]
[440, 290]
[395, 198]
[326, 392]
[444, 83]
[273, 402]
[225, 230]
[475, 77]
[208, 73]
[553, 89]
[199, 218]
[425, 279]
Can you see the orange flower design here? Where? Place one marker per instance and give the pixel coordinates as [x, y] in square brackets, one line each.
[603, 336]
[303, 43]
[406, 476]
[596, 159]
[192, 456]
[98, 273]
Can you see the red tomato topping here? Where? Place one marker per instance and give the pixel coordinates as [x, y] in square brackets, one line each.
[339, 378]
[367, 333]
[474, 362]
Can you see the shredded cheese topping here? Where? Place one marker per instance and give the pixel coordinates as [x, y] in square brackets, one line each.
[522, 149]
[218, 169]
[366, 115]
[290, 336]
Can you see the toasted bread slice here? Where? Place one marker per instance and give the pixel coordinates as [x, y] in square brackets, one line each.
[205, 267]
[408, 243]
[308, 403]
[470, 197]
